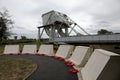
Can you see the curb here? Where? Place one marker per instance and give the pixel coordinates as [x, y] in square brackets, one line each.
[30, 73]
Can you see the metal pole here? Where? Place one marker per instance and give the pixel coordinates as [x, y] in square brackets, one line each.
[66, 32]
[38, 34]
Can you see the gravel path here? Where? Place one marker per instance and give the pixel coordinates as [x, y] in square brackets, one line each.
[48, 68]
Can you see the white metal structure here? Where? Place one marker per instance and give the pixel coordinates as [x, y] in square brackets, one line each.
[46, 49]
[57, 24]
[102, 65]
[64, 51]
[11, 49]
[60, 28]
[29, 49]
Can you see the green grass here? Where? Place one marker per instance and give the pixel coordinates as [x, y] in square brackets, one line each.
[1, 48]
[18, 41]
[15, 69]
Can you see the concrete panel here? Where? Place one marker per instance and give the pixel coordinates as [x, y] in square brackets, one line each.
[11, 49]
[31, 49]
[46, 49]
[111, 70]
[80, 55]
[64, 51]
[79, 76]
[99, 61]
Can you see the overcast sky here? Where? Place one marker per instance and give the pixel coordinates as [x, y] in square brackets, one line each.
[92, 15]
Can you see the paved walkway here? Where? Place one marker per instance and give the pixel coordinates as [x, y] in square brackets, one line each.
[48, 68]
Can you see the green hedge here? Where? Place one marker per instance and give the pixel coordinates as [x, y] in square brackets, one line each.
[18, 41]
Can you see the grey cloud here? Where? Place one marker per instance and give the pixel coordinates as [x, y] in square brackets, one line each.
[103, 24]
[105, 13]
[18, 27]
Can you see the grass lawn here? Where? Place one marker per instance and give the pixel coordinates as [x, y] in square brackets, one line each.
[15, 69]
[1, 48]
